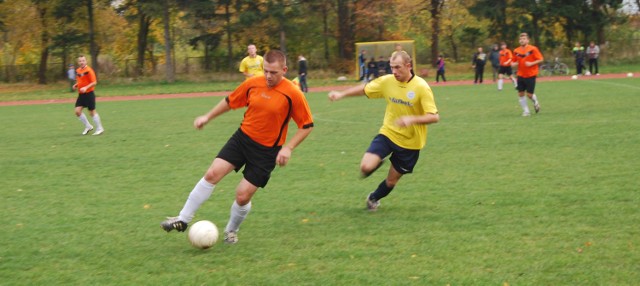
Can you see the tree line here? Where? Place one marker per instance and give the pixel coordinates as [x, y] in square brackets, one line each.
[155, 32]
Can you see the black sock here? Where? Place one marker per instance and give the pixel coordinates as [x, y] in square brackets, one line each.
[382, 191]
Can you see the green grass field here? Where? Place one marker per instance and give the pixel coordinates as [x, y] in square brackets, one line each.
[495, 199]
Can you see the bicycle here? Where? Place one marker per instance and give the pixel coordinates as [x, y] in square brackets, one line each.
[557, 68]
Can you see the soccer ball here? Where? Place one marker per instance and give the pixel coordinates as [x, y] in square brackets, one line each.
[587, 73]
[574, 77]
[203, 234]
[630, 75]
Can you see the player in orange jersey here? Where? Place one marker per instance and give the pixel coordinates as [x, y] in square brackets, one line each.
[258, 145]
[85, 84]
[506, 58]
[526, 59]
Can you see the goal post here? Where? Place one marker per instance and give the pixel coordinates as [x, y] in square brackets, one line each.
[382, 49]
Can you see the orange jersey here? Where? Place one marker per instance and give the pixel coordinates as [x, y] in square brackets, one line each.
[84, 77]
[506, 57]
[524, 54]
[269, 110]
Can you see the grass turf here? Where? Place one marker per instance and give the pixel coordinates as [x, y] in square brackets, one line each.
[495, 198]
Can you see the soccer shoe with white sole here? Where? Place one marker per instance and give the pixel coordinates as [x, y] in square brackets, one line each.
[536, 107]
[172, 223]
[87, 130]
[526, 114]
[230, 237]
[371, 204]
[98, 132]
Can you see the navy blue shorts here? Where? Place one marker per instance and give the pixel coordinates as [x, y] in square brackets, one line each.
[87, 100]
[258, 161]
[527, 84]
[402, 159]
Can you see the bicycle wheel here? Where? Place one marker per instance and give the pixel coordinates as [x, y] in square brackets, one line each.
[545, 70]
[563, 69]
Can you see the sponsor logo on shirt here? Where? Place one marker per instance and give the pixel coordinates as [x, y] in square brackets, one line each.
[400, 101]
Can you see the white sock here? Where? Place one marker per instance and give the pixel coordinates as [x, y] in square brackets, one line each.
[83, 119]
[523, 103]
[96, 120]
[534, 99]
[515, 82]
[238, 213]
[500, 81]
[198, 195]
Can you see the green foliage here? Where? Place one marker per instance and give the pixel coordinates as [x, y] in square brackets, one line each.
[495, 198]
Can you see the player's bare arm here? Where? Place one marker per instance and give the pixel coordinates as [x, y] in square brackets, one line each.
[285, 153]
[428, 118]
[352, 91]
[532, 63]
[220, 108]
[84, 89]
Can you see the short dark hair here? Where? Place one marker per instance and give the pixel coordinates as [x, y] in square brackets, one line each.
[273, 56]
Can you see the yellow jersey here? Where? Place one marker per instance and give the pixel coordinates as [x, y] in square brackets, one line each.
[403, 99]
[252, 65]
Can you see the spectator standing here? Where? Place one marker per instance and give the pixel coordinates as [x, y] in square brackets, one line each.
[494, 58]
[578, 53]
[593, 52]
[372, 69]
[440, 72]
[478, 62]
[302, 73]
[362, 60]
[71, 75]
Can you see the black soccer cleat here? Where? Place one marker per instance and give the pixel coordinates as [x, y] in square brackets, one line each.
[174, 223]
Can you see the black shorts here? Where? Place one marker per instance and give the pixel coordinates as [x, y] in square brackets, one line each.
[403, 159]
[505, 70]
[527, 84]
[87, 100]
[258, 161]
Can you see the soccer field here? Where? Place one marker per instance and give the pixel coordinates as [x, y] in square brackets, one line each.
[495, 198]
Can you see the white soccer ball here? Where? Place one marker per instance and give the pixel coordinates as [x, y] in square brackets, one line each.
[574, 77]
[203, 234]
[630, 75]
[587, 73]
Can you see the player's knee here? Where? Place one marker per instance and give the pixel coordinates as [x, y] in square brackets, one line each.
[367, 168]
[243, 198]
[212, 177]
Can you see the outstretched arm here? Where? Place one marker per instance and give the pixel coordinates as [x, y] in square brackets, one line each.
[220, 108]
[428, 118]
[352, 91]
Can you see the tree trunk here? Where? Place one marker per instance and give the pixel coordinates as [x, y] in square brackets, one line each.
[283, 39]
[44, 41]
[454, 47]
[346, 36]
[227, 16]
[325, 25]
[435, 9]
[92, 41]
[143, 32]
[168, 44]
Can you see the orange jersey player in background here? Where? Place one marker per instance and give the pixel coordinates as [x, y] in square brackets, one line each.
[526, 59]
[506, 59]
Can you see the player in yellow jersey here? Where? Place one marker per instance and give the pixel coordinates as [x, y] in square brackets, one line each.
[252, 64]
[410, 108]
